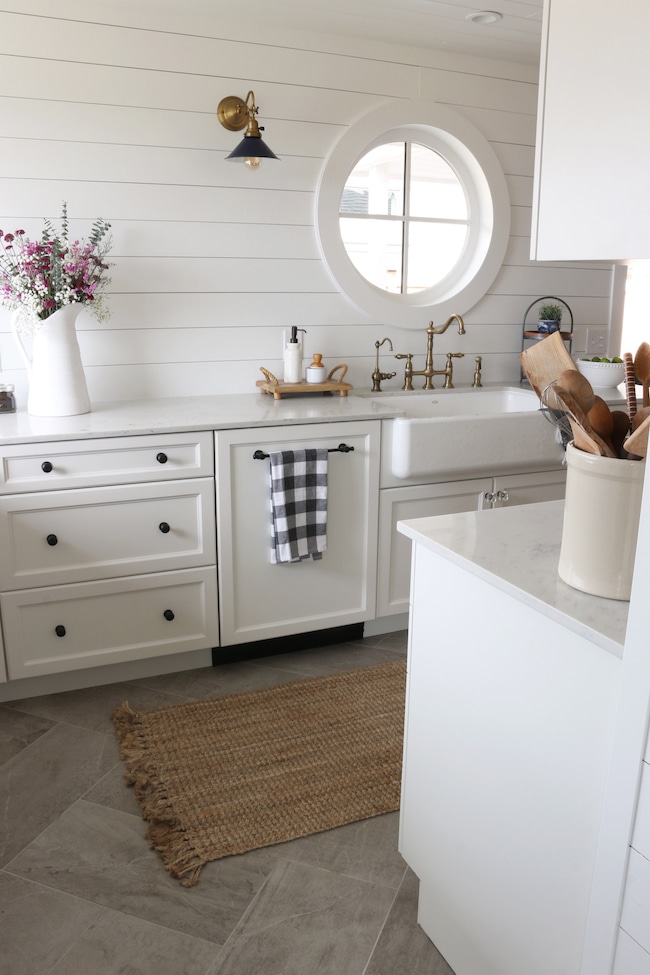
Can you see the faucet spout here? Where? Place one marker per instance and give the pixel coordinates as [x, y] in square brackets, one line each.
[443, 328]
[429, 372]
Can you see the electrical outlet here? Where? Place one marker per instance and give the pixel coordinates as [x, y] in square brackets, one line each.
[596, 342]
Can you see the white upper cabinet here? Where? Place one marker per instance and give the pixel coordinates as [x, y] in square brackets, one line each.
[591, 198]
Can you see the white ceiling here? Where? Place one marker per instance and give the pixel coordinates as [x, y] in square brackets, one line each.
[439, 24]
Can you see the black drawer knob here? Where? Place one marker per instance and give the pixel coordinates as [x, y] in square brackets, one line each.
[59, 630]
[47, 467]
[52, 540]
[164, 527]
[161, 458]
[168, 614]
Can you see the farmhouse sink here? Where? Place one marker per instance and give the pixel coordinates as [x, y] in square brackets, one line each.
[468, 432]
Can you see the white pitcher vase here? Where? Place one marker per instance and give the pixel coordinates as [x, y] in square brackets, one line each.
[57, 384]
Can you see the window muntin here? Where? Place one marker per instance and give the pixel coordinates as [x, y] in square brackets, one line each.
[404, 217]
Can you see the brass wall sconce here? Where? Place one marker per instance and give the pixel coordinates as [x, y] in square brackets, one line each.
[234, 114]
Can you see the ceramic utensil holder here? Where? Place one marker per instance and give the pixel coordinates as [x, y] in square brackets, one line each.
[601, 523]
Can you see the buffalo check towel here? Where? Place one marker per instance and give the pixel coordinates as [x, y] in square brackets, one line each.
[298, 504]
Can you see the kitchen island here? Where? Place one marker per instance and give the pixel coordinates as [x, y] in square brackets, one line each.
[511, 703]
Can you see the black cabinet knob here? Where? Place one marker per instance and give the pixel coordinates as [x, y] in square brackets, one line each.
[59, 630]
[52, 540]
[46, 467]
[164, 527]
[161, 458]
[168, 614]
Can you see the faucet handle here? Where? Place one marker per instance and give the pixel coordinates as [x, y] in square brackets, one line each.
[408, 371]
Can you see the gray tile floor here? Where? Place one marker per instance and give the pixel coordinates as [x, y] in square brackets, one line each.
[81, 893]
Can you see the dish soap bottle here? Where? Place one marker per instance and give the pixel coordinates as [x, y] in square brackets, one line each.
[293, 357]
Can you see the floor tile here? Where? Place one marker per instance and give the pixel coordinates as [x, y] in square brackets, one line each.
[17, 730]
[307, 920]
[208, 682]
[38, 784]
[366, 850]
[117, 943]
[38, 925]
[102, 855]
[403, 945]
[92, 707]
[328, 660]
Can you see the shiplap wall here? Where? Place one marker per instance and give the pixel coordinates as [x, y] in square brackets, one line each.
[118, 118]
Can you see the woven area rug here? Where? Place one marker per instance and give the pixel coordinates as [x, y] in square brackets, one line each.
[237, 773]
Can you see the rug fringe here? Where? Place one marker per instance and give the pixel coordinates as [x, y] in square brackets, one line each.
[164, 834]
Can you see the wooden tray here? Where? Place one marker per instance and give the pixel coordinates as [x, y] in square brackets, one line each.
[279, 389]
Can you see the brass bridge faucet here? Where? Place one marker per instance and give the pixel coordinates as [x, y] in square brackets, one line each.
[377, 375]
[429, 372]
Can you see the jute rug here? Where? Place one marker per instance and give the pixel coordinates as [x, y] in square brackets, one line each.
[238, 773]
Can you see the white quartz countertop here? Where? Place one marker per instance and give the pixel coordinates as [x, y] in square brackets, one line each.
[517, 550]
[188, 413]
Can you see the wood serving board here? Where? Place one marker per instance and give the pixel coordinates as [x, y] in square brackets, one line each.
[544, 361]
[280, 389]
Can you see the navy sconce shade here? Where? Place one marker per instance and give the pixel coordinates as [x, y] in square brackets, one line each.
[234, 114]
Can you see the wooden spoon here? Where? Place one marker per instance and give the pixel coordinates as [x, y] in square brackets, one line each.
[579, 387]
[572, 407]
[601, 419]
[640, 416]
[637, 442]
[620, 431]
[642, 370]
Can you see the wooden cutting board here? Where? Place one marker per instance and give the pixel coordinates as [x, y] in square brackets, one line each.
[543, 362]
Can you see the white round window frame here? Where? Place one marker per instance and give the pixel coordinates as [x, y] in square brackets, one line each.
[478, 168]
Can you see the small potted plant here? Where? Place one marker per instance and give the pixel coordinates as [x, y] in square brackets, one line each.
[550, 317]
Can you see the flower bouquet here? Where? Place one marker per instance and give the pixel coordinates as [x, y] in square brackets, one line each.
[38, 277]
[47, 283]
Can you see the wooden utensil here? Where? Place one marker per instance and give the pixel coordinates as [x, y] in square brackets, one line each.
[582, 440]
[630, 384]
[637, 442]
[572, 407]
[543, 362]
[642, 370]
[601, 420]
[620, 431]
[579, 386]
[640, 416]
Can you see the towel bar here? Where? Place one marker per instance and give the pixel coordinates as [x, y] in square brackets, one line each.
[342, 448]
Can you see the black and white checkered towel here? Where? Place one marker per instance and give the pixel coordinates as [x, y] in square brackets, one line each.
[298, 504]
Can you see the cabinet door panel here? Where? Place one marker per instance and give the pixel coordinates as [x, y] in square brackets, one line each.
[400, 504]
[70, 536]
[48, 631]
[260, 600]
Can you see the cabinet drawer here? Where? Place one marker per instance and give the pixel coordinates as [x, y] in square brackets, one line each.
[103, 533]
[49, 631]
[118, 460]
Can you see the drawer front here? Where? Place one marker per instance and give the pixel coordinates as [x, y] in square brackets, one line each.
[118, 460]
[104, 533]
[50, 631]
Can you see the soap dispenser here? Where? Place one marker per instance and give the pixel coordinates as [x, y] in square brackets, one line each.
[293, 357]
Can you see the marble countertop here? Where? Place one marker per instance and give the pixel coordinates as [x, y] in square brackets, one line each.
[517, 550]
[188, 413]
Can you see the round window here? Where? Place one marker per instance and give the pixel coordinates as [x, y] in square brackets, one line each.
[412, 216]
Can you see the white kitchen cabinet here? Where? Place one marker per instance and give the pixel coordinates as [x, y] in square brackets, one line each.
[423, 500]
[109, 551]
[511, 700]
[593, 142]
[260, 600]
